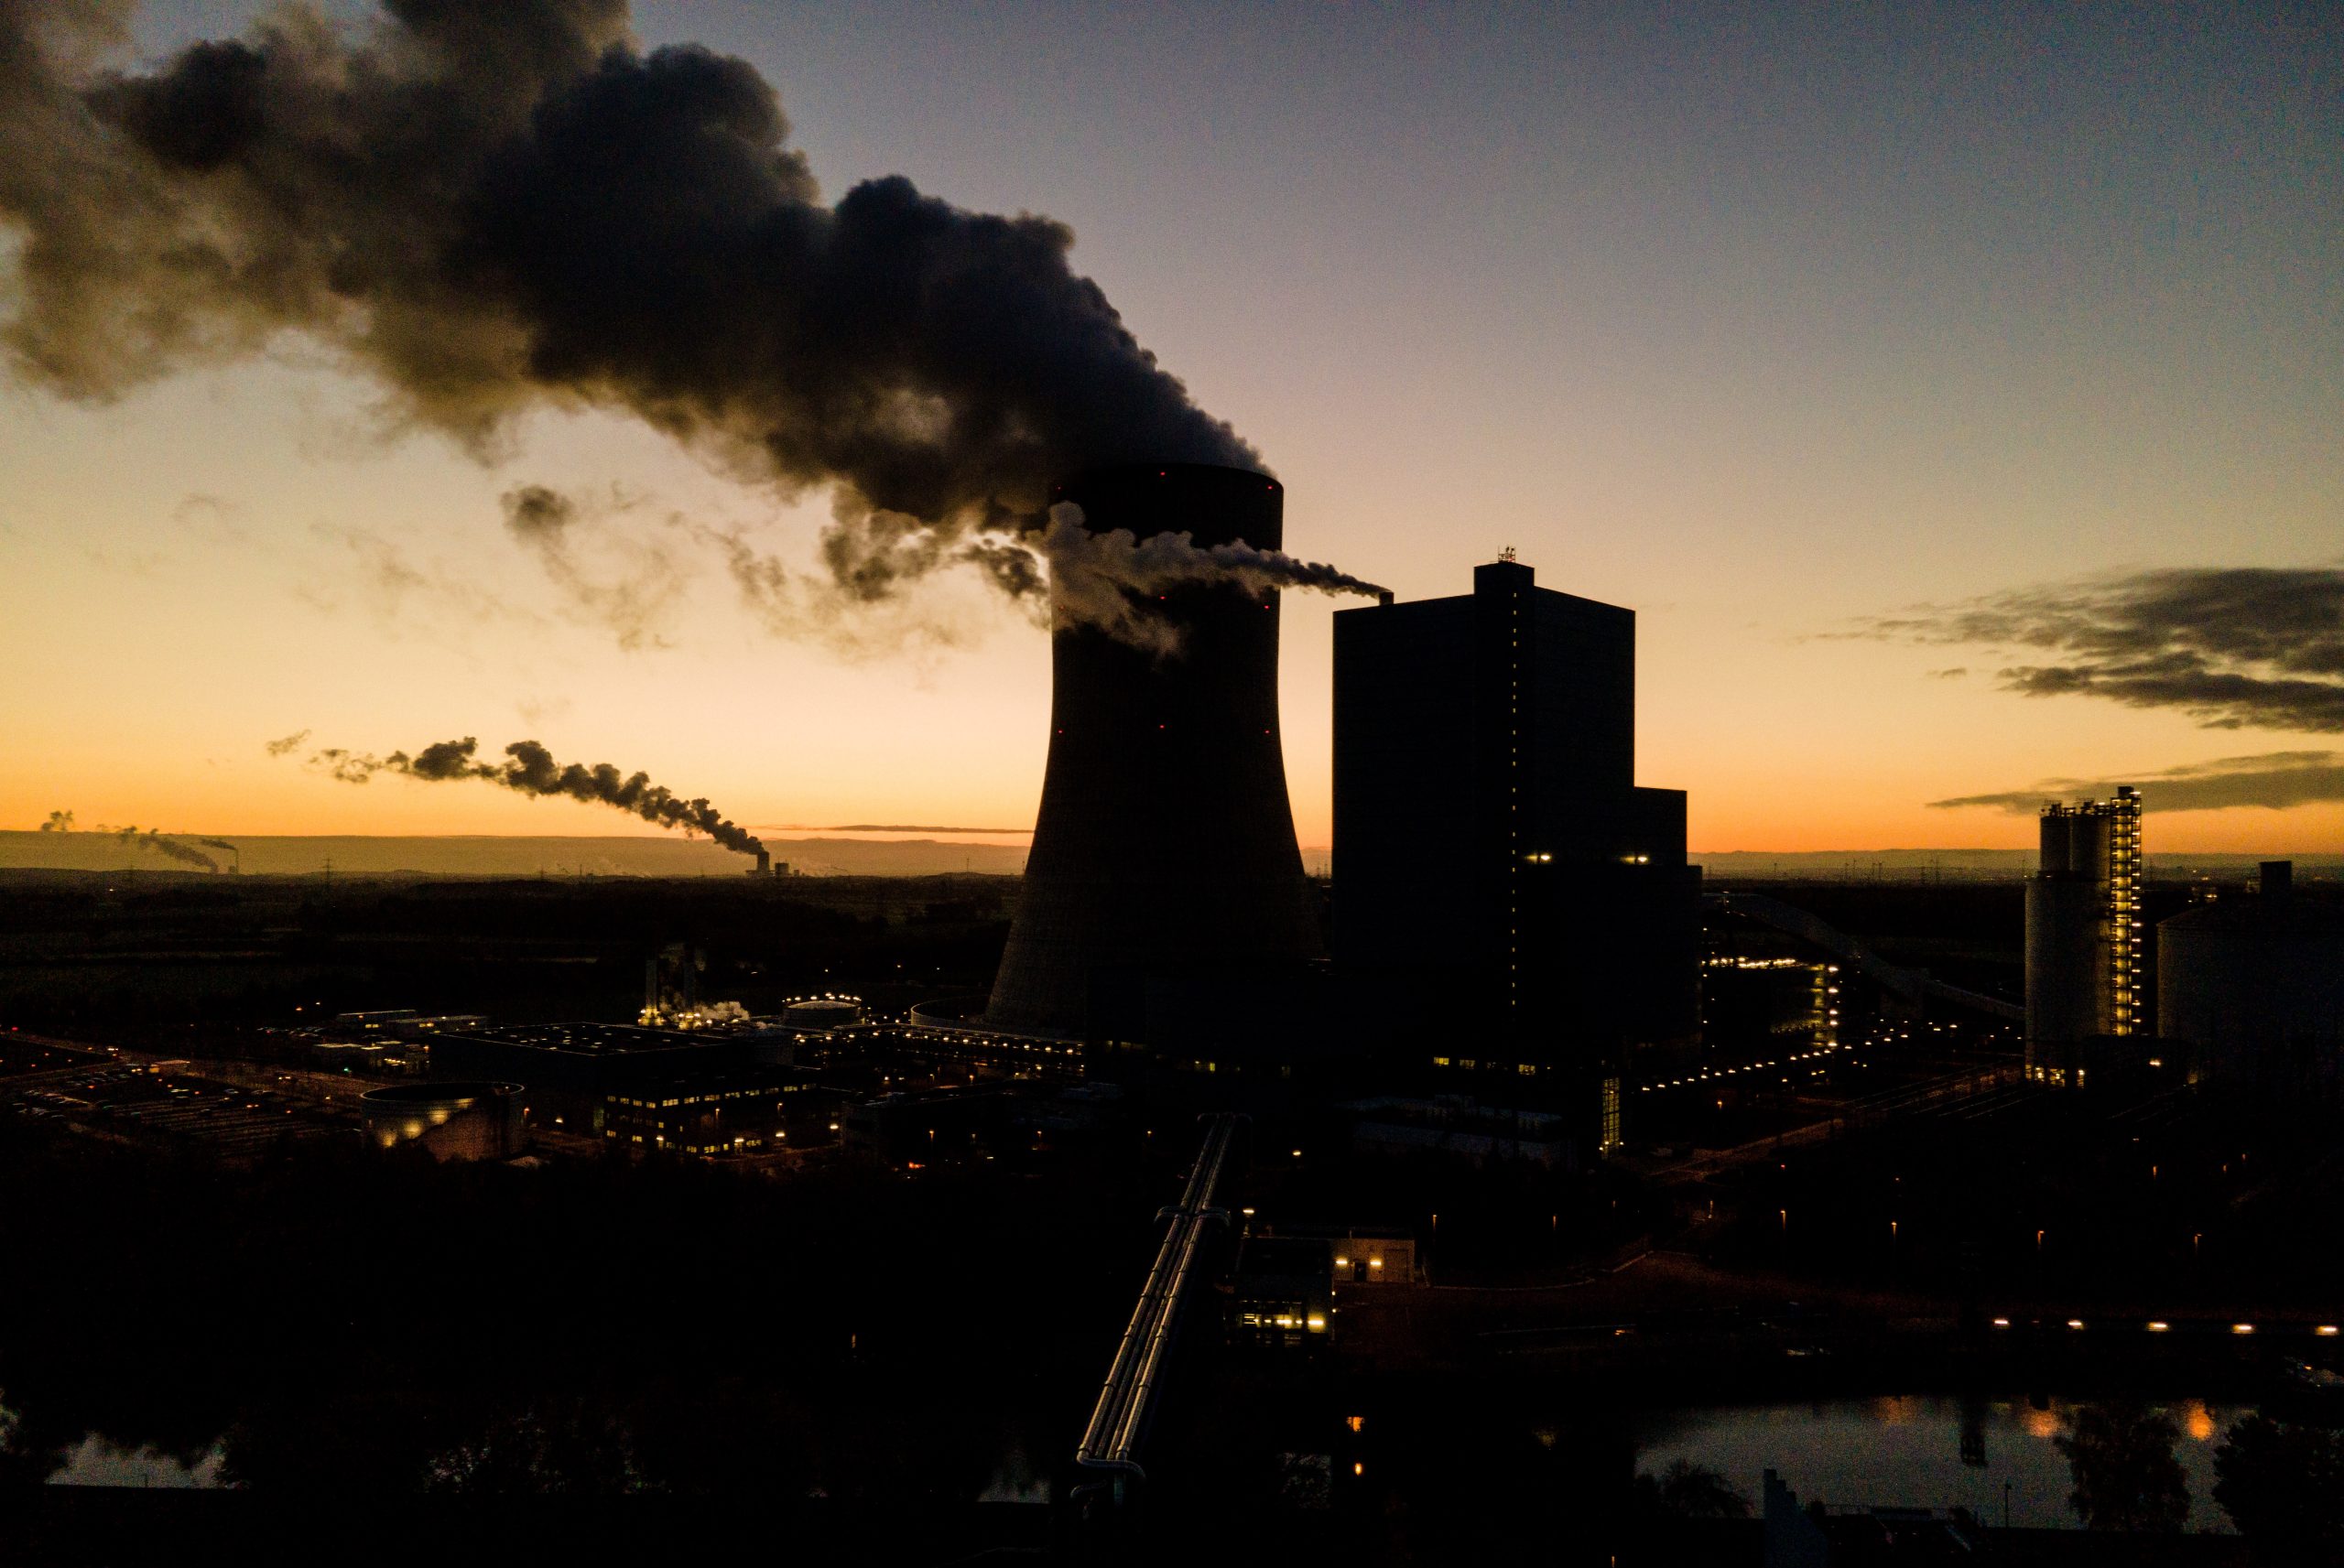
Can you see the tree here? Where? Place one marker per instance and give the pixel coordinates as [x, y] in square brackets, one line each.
[1686, 1490]
[2283, 1485]
[2119, 1457]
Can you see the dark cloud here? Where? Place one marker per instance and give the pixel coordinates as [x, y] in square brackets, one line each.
[2234, 647]
[1956, 673]
[489, 209]
[2275, 780]
[288, 743]
[529, 769]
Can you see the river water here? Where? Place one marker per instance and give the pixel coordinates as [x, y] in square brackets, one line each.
[1903, 1450]
[1908, 1451]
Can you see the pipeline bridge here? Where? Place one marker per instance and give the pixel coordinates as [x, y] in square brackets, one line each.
[1109, 1454]
[1911, 985]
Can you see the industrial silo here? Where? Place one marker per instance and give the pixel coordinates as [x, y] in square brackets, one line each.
[453, 1120]
[2083, 931]
[1164, 843]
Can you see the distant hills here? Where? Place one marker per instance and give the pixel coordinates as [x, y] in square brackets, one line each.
[1968, 865]
[368, 855]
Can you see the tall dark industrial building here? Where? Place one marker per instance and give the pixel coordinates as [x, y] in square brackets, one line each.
[1163, 854]
[2083, 931]
[2253, 991]
[1497, 868]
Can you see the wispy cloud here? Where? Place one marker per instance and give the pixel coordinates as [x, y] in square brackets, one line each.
[2234, 647]
[378, 577]
[2275, 780]
[627, 586]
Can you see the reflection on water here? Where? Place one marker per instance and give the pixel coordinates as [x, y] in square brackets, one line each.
[94, 1461]
[1920, 1452]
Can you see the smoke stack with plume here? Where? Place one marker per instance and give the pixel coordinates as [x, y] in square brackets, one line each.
[489, 209]
[529, 769]
[169, 849]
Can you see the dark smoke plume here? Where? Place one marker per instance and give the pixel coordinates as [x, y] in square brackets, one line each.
[169, 849]
[530, 768]
[287, 744]
[58, 822]
[2234, 647]
[491, 208]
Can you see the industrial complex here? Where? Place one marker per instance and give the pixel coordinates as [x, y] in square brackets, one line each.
[1515, 1045]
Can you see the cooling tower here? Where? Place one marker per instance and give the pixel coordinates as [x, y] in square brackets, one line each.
[1164, 844]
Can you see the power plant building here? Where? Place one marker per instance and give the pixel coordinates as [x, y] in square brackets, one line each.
[2253, 991]
[2083, 969]
[1498, 874]
[1164, 863]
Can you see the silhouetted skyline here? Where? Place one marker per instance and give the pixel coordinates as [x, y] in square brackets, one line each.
[1883, 363]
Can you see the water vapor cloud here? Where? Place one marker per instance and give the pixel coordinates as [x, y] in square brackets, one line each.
[633, 603]
[2233, 647]
[1078, 578]
[488, 209]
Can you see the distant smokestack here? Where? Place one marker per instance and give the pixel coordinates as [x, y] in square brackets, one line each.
[764, 864]
[1164, 839]
[169, 849]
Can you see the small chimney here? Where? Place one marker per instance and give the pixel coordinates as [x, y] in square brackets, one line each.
[2278, 880]
[1384, 596]
[764, 864]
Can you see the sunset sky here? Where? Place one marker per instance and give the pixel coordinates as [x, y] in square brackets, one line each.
[1866, 353]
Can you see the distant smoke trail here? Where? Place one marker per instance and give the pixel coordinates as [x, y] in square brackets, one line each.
[217, 844]
[288, 744]
[169, 849]
[530, 768]
[58, 822]
[1093, 578]
[492, 208]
